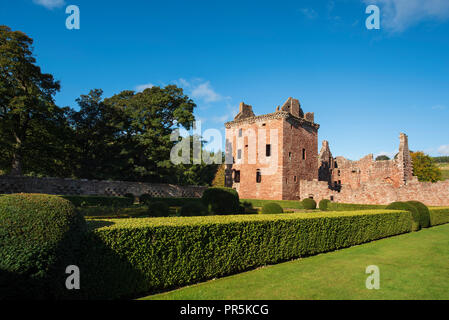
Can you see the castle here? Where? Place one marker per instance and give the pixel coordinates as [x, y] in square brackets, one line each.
[275, 156]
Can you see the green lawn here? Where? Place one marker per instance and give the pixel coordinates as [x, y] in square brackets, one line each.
[412, 266]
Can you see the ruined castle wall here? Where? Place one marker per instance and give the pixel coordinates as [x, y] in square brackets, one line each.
[379, 192]
[93, 187]
[296, 138]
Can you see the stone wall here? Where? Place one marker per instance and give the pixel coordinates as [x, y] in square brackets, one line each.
[60, 186]
[379, 192]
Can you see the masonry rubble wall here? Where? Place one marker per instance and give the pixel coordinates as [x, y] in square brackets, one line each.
[379, 192]
[60, 186]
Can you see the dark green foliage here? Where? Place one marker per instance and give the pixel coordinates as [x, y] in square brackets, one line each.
[382, 158]
[103, 201]
[439, 215]
[132, 257]
[158, 209]
[424, 215]
[130, 196]
[145, 198]
[444, 159]
[272, 208]
[177, 202]
[39, 236]
[309, 204]
[191, 209]
[408, 207]
[222, 200]
[335, 206]
[324, 204]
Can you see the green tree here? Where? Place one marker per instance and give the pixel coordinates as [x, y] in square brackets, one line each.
[382, 157]
[424, 167]
[26, 101]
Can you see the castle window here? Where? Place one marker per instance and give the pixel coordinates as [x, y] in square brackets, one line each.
[338, 172]
[304, 154]
[268, 150]
[264, 124]
[290, 156]
[237, 176]
[332, 198]
[239, 154]
[240, 132]
[294, 178]
[258, 176]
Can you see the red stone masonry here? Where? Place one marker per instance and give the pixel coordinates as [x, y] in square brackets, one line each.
[293, 140]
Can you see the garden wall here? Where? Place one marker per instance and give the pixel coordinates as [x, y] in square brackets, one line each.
[61, 186]
[379, 192]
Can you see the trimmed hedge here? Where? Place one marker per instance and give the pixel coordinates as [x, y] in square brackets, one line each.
[133, 257]
[145, 198]
[220, 200]
[309, 204]
[324, 204]
[192, 209]
[158, 209]
[292, 204]
[272, 208]
[39, 236]
[439, 215]
[334, 206]
[177, 202]
[406, 206]
[103, 201]
[424, 215]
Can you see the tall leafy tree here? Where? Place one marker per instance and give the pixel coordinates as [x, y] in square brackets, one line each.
[26, 100]
[424, 167]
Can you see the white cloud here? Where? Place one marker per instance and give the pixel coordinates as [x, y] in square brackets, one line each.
[444, 150]
[144, 86]
[439, 107]
[398, 15]
[50, 4]
[309, 13]
[201, 90]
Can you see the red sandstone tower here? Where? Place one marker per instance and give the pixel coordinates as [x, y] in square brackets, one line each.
[267, 156]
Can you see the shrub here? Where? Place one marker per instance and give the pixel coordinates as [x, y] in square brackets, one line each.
[324, 204]
[177, 202]
[193, 209]
[292, 204]
[272, 208]
[439, 215]
[39, 236]
[158, 209]
[132, 257]
[130, 196]
[221, 200]
[336, 206]
[145, 198]
[309, 204]
[104, 201]
[408, 207]
[424, 215]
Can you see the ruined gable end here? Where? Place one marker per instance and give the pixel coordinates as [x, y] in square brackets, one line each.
[245, 111]
[294, 107]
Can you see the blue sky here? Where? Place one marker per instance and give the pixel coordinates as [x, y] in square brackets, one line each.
[365, 86]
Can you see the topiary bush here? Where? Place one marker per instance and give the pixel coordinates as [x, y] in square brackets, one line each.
[272, 208]
[39, 236]
[220, 200]
[158, 209]
[439, 215]
[191, 209]
[309, 204]
[145, 198]
[424, 214]
[130, 196]
[103, 201]
[324, 204]
[406, 206]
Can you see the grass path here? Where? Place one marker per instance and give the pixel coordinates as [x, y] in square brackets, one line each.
[412, 266]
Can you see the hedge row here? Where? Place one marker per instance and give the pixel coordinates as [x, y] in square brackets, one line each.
[439, 215]
[291, 204]
[334, 206]
[88, 201]
[132, 257]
